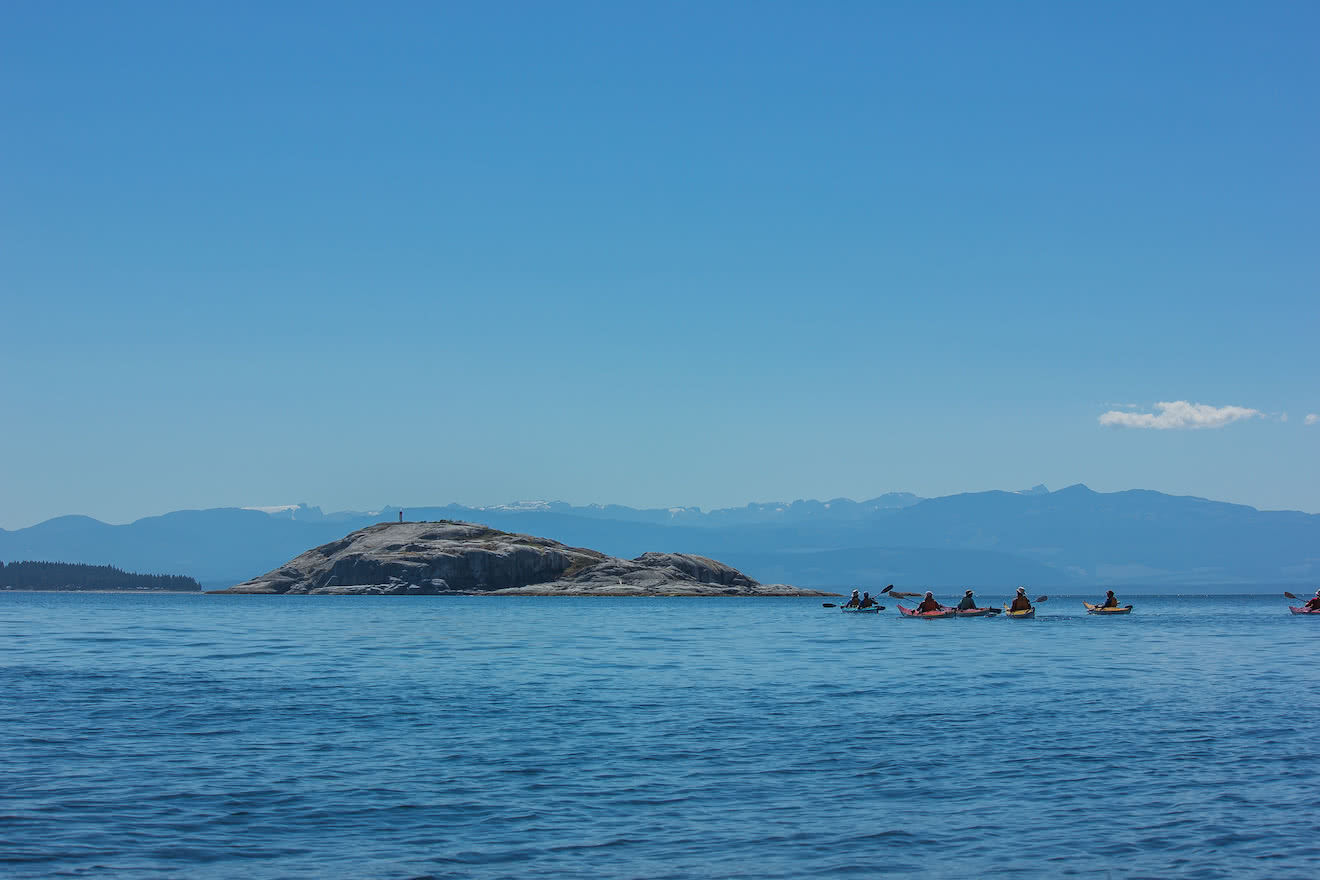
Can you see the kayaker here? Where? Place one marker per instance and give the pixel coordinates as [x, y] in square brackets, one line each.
[1020, 601]
[968, 603]
[1313, 604]
[1111, 601]
[929, 603]
[867, 601]
[853, 602]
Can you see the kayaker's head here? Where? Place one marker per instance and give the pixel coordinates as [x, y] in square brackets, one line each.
[930, 595]
[1109, 592]
[866, 595]
[1317, 592]
[968, 593]
[1022, 591]
[854, 592]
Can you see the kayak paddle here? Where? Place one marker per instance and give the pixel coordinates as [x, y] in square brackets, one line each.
[1289, 595]
[1042, 598]
[891, 586]
[828, 605]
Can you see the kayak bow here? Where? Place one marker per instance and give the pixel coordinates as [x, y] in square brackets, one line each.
[1025, 614]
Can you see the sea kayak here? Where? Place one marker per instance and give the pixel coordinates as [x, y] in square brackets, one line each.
[975, 612]
[927, 615]
[1096, 609]
[1025, 614]
[1303, 610]
[874, 609]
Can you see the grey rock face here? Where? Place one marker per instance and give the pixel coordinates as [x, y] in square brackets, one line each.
[707, 571]
[432, 558]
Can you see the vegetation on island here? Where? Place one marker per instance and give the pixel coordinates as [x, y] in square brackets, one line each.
[75, 576]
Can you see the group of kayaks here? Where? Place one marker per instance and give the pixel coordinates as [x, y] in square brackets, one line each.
[1311, 607]
[1020, 614]
[870, 606]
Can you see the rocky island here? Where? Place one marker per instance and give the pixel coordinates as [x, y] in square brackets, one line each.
[458, 558]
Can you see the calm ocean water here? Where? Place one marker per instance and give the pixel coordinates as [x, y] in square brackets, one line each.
[346, 737]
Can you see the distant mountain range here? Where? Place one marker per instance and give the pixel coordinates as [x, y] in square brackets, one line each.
[755, 513]
[1070, 538]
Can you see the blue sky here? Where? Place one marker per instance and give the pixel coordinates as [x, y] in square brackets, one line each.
[652, 254]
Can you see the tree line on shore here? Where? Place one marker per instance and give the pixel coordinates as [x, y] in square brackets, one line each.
[76, 576]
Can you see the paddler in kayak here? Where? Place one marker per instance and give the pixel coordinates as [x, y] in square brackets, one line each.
[929, 604]
[968, 602]
[867, 601]
[1111, 601]
[1313, 604]
[853, 602]
[1020, 601]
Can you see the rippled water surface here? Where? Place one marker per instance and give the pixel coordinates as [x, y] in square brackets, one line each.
[352, 737]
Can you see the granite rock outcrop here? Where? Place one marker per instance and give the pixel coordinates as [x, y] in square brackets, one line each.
[447, 557]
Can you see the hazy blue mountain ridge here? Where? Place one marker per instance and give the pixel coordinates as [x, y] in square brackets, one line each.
[211, 545]
[1073, 536]
[756, 513]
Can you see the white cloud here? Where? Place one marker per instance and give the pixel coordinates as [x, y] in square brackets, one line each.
[1311, 418]
[1180, 414]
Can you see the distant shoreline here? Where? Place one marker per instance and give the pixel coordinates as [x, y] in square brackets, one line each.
[130, 592]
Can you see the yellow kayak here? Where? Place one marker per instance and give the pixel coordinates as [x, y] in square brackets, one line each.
[1096, 609]
[1025, 614]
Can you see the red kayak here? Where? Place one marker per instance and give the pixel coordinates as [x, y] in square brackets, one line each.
[928, 615]
[975, 612]
[1303, 610]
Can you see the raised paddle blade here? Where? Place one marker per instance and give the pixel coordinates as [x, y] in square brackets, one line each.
[1289, 595]
[828, 605]
[1042, 598]
[891, 586]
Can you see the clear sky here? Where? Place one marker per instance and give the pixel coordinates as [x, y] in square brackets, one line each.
[654, 254]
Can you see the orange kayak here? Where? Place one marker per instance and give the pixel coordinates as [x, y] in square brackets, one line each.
[928, 615]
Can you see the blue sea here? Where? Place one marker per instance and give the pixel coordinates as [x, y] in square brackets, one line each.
[196, 736]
